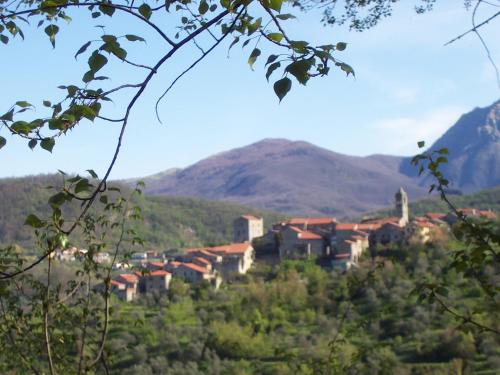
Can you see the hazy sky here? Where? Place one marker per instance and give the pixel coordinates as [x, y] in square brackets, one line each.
[408, 87]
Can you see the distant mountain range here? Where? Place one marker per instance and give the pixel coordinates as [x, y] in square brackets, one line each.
[301, 178]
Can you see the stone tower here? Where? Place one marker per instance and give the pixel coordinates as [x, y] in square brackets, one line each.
[247, 227]
[402, 206]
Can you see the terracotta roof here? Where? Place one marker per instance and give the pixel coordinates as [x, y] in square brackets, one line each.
[195, 267]
[128, 277]
[203, 260]
[305, 235]
[156, 264]
[435, 215]
[311, 221]
[346, 226]
[159, 273]
[233, 248]
[173, 263]
[488, 214]
[116, 283]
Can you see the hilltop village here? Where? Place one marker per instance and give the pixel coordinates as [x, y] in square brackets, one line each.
[338, 244]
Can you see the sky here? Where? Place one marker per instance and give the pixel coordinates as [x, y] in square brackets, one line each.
[408, 87]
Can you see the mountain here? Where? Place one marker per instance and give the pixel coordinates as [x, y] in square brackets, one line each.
[169, 222]
[300, 178]
[292, 177]
[474, 150]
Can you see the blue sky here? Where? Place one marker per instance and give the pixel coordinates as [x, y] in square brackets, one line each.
[408, 87]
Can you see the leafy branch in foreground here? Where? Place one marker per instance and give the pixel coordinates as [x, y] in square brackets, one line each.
[199, 23]
[478, 259]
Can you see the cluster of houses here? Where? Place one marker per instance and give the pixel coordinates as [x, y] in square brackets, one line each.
[339, 243]
[343, 243]
[205, 264]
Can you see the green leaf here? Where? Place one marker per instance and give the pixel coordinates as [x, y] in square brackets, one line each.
[300, 69]
[83, 49]
[253, 57]
[61, 240]
[275, 4]
[3, 142]
[47, 103]
[271, 69]
[253, 27]
[421, 144]
[346, 68]
[106, 9]
[51, 31]
[82, 185]
[203, 8]
[285, 17]
[271, 59]
[4, 39]
[299, 46]
[32, 143]
[97, 61]
[134, 38]
[275, 37]
[57, 199]
[23, 104]
[48, 144]
[8, 116]
[145, 11]
[21, 127]
[92, 173]
[341, 46]
[282, 87]
[34, 221]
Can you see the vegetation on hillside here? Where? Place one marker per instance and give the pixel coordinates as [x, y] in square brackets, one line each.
[299, 318]
[169, 222]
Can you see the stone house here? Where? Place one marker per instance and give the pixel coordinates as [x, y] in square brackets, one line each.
[121, 291]
[237, 258]
[193, 273]
[131, 283]
[389, 233]
[158, 280]
[247, 227]
[297, 243]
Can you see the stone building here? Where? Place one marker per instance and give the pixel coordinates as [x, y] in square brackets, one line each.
[247, 227]
[402, 207]
[297, 243]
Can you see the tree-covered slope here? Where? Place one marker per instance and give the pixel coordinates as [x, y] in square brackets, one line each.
[169, 222]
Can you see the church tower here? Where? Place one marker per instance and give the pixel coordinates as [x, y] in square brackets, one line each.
[402, 206]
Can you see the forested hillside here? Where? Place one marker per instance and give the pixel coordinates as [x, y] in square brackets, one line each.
[283, 321]
[169, 222]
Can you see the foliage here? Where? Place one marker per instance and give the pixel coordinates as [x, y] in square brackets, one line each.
[282, 321]
[169, 222]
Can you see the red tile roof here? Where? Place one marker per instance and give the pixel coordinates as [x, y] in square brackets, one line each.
[233, 248]
[346, 226]
[435, 215]
[311, 221]
[159, 273]
[195, 267]
[116, 283]
[305, 235]
[128, 277]
[203, 260]
[156, 264]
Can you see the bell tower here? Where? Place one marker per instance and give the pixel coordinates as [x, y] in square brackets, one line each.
[402, 206]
